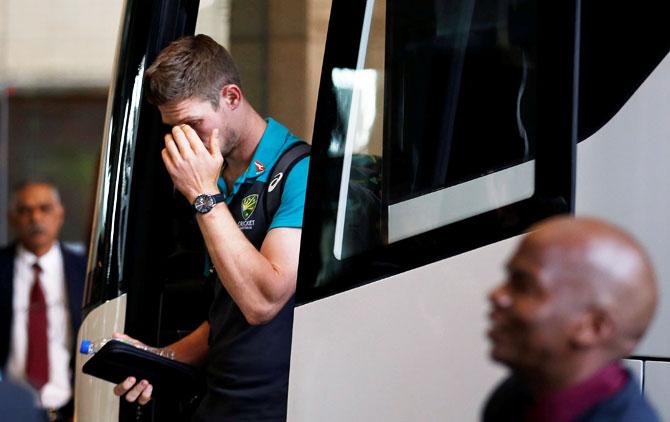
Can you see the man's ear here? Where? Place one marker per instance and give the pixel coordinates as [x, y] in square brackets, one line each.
[60, 210]
[231, 94]
[592, 328]
[11, 217]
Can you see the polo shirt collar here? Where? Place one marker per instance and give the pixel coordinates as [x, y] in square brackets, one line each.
[267, 152]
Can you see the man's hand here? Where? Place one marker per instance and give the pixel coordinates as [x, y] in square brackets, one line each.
[193, 167]
[140, 392]
[133, 390]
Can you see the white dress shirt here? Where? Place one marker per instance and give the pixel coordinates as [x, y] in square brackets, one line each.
[57, 392]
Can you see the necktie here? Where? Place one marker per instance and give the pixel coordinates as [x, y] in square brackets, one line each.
[37, 362]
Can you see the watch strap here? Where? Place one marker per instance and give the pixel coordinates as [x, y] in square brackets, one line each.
[219, 197]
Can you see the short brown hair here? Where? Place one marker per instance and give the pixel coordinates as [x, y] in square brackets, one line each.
[192, 66]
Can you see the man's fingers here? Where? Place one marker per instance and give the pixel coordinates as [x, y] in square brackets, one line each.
[167, 160]
[192, 137]
[135, 392]
[170, 143]
[146, 395]
[172, 149]
[121, 336]
[213, 147]
[181, 141]
[120, 389]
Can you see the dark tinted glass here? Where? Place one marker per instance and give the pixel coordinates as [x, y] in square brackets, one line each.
[454, 131]
[462, 88]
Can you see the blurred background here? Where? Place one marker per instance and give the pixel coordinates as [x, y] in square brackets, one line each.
[56, 62]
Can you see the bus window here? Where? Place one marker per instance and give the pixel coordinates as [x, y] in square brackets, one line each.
[461, 130]
[436, 132]
[357, 139]
[463, 136]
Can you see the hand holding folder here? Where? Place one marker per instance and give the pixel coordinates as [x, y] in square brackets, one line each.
[118, 360]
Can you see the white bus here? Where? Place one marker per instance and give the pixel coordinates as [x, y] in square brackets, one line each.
[444, 129]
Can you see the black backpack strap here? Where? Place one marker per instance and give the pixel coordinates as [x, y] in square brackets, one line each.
[279, 174]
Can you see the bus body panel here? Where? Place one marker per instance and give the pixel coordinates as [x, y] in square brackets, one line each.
[657, 386]
[410, 347]
[623, 176]
[413, 346]
[95, 400]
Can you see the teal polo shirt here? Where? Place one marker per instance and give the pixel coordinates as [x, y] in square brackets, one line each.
[248, 365]
[275, 140]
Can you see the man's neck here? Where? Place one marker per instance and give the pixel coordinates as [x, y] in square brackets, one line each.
[568, 374]
[239, 159]
[567, 403]
[40, 250]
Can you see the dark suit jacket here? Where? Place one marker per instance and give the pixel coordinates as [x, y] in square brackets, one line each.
[75, 273]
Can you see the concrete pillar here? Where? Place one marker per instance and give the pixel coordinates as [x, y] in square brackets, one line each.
[278, 46]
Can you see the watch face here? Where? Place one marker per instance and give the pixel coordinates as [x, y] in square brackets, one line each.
[203, 203]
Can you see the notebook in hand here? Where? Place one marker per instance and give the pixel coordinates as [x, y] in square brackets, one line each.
[117, 360]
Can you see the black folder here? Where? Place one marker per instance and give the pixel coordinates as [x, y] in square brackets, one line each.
[117, 360]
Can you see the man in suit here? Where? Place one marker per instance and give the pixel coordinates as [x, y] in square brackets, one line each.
[578, 297]
[41, 288]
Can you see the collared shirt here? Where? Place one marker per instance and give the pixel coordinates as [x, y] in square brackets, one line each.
[275, 140]
[248, 366]
[57, 392]
[566, 405]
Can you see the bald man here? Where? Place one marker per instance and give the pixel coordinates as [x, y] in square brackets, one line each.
[578, 297]
[41, 288]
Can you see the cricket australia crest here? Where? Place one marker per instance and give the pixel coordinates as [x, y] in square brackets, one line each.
[249, 205]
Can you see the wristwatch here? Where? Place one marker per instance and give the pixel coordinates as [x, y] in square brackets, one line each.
[205, 202]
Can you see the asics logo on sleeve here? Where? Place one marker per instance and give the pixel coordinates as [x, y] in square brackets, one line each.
[275, 181]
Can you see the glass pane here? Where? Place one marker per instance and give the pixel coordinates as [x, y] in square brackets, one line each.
[357, 138]
[470, 139]
[463, 75]
[463, 141]
[459, 110]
